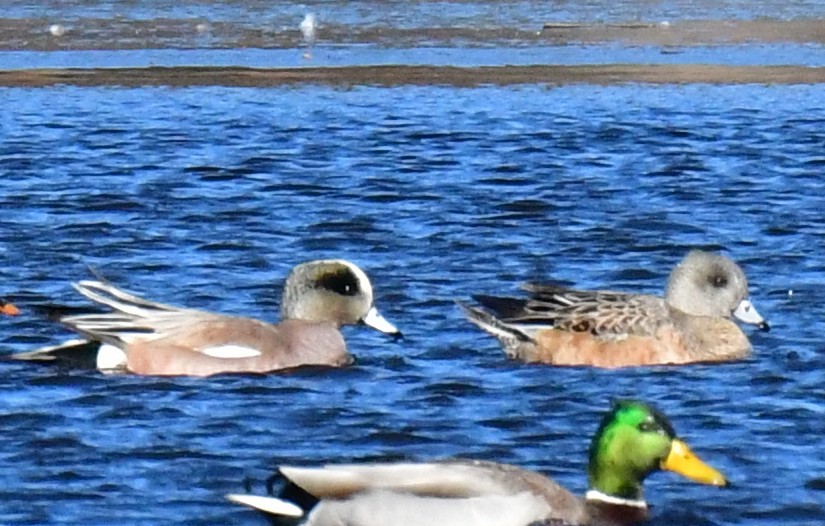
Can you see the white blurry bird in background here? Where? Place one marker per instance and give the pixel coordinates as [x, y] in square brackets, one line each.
[57, 30]
[308, 26]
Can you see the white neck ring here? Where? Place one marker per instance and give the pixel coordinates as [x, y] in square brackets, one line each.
[610, 499]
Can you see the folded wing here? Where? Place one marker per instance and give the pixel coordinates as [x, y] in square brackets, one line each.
[601, 313]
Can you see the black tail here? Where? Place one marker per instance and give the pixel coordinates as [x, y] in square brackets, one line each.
[75, 354]
[503, 308]
[54, 312]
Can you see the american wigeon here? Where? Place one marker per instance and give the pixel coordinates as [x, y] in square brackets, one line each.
[632, 441]
[8, 308]
[692, 323]
[150, 338]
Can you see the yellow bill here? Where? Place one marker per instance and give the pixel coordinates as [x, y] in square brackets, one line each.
[681, 460]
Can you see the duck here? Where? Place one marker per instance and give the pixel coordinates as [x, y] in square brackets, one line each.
[567, 327]
[632, 441]
[145, 337]
[7, 308]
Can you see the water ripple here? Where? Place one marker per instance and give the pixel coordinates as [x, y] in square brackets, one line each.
[209, 196]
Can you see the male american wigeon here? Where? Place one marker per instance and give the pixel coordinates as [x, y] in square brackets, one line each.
[8, 308]
[633, 441]
[150, 338]
[692, 323]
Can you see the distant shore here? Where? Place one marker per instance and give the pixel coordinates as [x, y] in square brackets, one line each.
[82, 35]
[39, 34]
[414, 75]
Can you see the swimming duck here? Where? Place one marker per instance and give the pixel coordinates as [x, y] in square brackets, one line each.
[632, 441]
[692, 323]
[149, 338]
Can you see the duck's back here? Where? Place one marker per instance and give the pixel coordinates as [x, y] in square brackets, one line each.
[453, 493]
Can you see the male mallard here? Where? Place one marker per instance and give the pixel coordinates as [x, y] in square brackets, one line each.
[614, 329]
[632, 441]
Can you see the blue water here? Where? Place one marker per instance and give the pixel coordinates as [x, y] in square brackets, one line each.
[206, 197]
[414, 13]
[743, 55]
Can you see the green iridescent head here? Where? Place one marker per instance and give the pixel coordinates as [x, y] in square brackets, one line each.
[634, 440]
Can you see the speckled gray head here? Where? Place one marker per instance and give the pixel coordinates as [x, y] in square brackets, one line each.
[706, 284]
[333, 291]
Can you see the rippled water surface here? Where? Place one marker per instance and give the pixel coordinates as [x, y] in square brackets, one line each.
[206, 197]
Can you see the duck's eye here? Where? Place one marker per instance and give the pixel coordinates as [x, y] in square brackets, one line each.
[649, 426]
[718, 280]
[342, 282]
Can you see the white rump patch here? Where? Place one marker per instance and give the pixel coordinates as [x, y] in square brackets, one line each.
[229, 352]
[110, 357]
[268, 505]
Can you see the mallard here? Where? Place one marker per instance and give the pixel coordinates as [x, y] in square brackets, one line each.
[150, 338]
[633, 441]
[692, 323]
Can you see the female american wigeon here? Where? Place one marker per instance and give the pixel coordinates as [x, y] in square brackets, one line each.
[8, 308]
[692, 323]
[150, 338]
[632, 442]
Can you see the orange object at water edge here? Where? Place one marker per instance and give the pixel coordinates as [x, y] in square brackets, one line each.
[8, 308]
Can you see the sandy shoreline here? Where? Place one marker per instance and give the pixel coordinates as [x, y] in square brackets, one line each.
[414, 75]
[87, 34]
